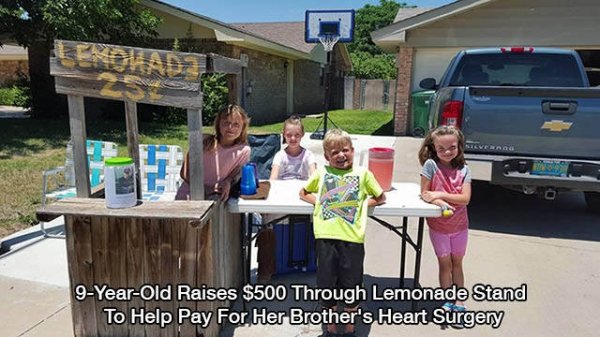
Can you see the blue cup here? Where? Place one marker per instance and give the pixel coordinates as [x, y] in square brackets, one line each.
[248, 185]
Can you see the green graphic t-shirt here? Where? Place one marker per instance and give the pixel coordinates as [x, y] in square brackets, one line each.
[341, 208]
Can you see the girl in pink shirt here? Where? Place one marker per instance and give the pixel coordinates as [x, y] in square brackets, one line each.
[446, 182]
[224, 155]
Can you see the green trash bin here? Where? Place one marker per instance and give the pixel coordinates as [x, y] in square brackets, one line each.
[419, 112]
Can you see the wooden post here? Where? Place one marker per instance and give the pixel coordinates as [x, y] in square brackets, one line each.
[196, 159]
[78, 137]
[131, 122]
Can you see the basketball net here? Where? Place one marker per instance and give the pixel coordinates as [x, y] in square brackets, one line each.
[328, 41]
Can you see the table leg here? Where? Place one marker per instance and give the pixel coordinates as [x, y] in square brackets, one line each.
[248, 244]
[418, 250]
[403, 250]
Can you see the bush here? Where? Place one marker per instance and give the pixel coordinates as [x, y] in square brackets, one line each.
[16, 93]
[367, 66]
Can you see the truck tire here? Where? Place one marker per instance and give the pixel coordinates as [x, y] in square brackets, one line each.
[592, 199]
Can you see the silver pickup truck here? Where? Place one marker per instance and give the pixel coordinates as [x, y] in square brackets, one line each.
[530, 120]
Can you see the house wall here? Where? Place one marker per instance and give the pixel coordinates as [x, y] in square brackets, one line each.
[430, 62]
[174, 27]
[267, 78]
[309, 89]
[11, 70]
[404, 62]
[515, 22]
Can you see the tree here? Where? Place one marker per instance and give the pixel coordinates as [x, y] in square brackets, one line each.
[368, 60]
[36, 23]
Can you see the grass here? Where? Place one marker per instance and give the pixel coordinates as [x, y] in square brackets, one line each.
[29, 146]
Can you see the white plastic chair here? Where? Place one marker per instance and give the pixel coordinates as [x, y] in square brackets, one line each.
[59, 183]
[159, 171]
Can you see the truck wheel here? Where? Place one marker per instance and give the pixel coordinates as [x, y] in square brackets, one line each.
[592, 199]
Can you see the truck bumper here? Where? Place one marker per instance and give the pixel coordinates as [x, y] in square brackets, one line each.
[581, 176]
[514, 171]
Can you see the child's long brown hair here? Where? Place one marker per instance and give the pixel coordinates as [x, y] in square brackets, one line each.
[428, 151]
[228, 110]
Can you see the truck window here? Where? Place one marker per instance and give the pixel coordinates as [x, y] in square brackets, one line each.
[518, 69]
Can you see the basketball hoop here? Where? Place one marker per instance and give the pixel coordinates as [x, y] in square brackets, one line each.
[328, 41]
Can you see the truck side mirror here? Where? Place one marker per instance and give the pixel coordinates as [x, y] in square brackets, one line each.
[428, 83]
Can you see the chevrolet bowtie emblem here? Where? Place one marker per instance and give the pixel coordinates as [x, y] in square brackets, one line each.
[556, 126]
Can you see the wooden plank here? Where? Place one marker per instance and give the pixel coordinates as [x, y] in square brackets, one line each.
[126, 59]
[206, 273]
[221, 64]
[188, 253]
[116, 256]
[169, 267]
[127, 73]
[80, 262]
[131, 122]
[100, 251]
[78, 136]
[135, 269]
[158, 95]
[95, 74]
[196, 154]
[152, 266]
[119, 81]
[186, 210]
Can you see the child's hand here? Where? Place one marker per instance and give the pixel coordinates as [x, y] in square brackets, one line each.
[223, 189]
[447, 209]
[428, 196]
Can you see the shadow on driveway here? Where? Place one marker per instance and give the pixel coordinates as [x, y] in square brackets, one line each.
[497, 209]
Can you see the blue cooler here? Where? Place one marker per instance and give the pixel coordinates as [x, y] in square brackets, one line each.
[295, 246]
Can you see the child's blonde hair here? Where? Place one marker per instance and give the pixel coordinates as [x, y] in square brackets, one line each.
[428, 151]
[225, 112]
[336, 137]
[292, 120]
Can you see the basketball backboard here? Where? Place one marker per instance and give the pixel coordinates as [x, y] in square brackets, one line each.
[320, 23]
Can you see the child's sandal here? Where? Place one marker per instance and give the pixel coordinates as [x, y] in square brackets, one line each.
[448, 306]
[459, 308]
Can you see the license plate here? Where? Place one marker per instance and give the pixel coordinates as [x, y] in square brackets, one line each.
[550, 168]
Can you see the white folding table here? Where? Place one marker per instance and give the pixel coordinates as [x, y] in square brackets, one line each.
[402, 201]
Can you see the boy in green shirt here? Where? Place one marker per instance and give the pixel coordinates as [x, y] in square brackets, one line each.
[343, 195]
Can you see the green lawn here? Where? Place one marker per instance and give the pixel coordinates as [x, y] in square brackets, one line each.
[28, 146]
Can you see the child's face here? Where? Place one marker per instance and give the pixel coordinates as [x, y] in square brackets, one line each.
[446, 147]
[293, 135]
[340, 156]
[231, 128]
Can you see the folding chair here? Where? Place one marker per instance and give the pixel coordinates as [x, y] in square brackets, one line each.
[264, 148]
[159, 171]
[59, 183]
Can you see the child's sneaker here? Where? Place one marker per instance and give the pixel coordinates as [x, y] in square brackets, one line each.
[460, 323]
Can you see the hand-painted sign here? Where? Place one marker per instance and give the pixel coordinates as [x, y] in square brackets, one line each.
[128, 73]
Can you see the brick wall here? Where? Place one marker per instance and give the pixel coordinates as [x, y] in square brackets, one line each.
[11, 70]
[266, 76]
[404, 62]
[309, 89]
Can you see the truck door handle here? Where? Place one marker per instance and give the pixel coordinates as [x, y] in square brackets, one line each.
[559, 108]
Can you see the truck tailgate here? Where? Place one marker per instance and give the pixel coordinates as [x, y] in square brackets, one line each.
[548, 122]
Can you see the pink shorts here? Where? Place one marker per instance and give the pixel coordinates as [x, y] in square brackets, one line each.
[445, 244]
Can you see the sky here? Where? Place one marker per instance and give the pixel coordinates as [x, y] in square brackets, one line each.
[238, 11]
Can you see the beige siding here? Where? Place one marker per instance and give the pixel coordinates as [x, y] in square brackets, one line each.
[430, 62]
[516, 22]
[174, 27]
